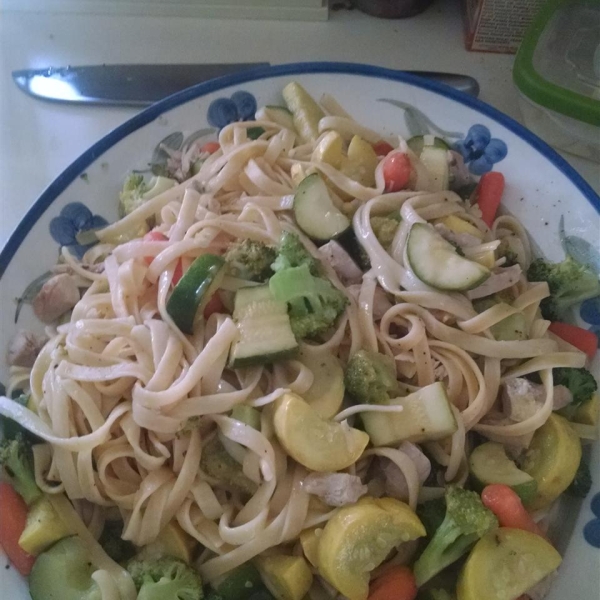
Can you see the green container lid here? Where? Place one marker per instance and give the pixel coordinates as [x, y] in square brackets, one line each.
[558, 63]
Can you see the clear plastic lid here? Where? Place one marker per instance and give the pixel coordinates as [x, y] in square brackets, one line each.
[558, 64]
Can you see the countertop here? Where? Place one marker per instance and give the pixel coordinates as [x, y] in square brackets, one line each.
[39, 139]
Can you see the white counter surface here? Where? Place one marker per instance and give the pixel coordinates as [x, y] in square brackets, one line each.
[39, 139]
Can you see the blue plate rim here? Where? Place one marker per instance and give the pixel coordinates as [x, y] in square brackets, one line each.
[77, 167]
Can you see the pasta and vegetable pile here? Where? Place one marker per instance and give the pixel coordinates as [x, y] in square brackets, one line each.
[307, 362]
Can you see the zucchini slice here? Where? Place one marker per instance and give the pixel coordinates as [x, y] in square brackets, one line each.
[488, 464]
[306, 113]
[417, 143]
[552, 459]
[433, 153]
[286, 577]
[436, 262]
[315, 212]
[505, 564]
[195, 289]
[278, 114]
[316, 443]
[326, 393]
[426, 416]
[265, 333]
[44, 527]
[64, 572]
[436, 162]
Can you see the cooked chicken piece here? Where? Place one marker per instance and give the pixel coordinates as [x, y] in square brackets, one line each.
[335, 489]
[521, 398]
[340, 261]
[58, 295]
[23, 348]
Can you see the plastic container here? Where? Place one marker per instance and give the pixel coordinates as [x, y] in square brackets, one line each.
[557, 74]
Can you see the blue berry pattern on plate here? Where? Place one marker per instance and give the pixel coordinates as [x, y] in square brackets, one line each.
[591, 531]
[480, 150]
[241, 106]
[75, 218]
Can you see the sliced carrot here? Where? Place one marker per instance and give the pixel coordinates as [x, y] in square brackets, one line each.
[382, 148]
[13, 516]
[396, 584]
[583, 339]
[210, 147]
[489, 194]
[508, 508]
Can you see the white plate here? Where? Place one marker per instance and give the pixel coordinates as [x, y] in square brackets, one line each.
[543, 191]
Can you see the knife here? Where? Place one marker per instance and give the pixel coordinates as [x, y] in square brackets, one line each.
[142, 85]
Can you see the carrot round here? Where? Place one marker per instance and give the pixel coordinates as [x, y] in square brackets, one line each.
[583, 339]
[210, 147]
[13, 516]
[396, 584]
[508, 508]
[489, 194]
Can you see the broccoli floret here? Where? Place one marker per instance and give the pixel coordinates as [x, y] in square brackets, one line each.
[114, 545]
[370, 378]
[292, 253]
[580, 382]
[165, 577]
[252, 260]
[384, 229]
[17, 460]
[136, 191]
[466, 520]
[314, 303]
[432, 514]
[582, 483]
[569, 281]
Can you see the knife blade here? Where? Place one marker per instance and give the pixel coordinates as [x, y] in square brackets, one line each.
[144, 84]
